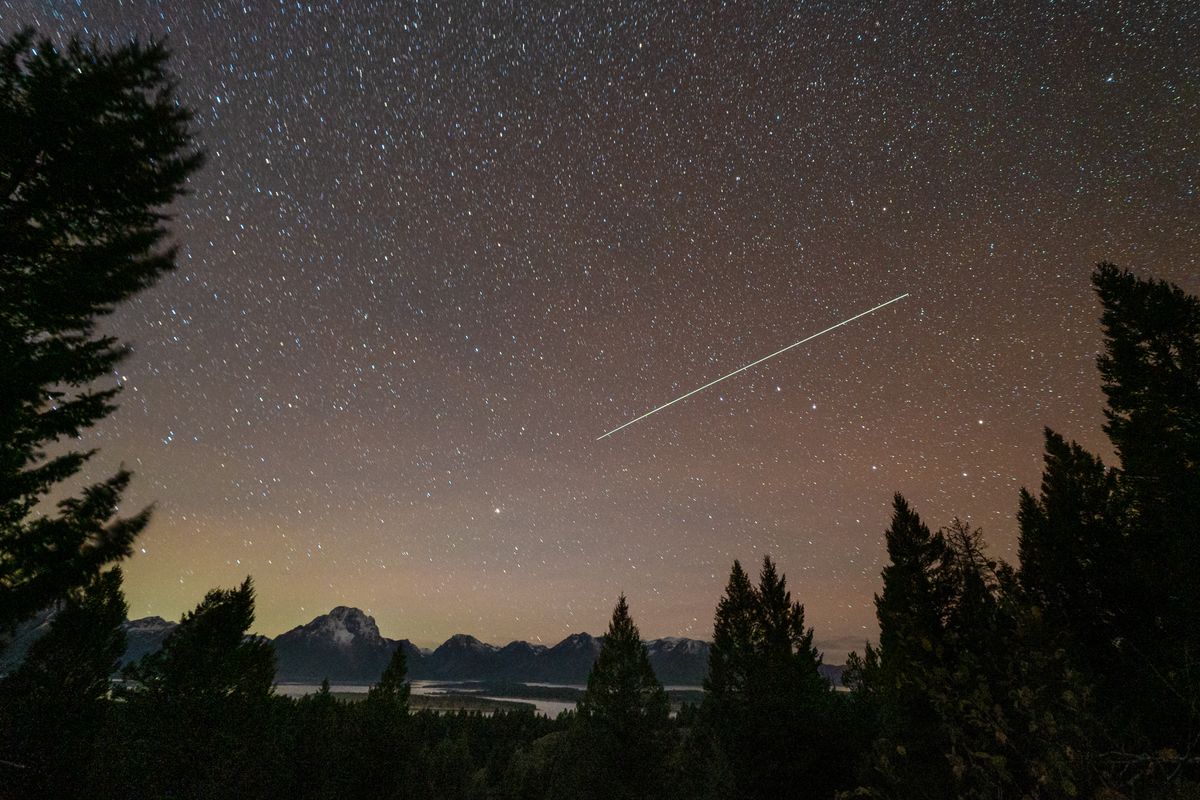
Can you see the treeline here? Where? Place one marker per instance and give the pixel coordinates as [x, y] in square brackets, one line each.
[1072, 674]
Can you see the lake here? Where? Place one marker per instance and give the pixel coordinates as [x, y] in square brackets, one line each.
[549, 708]
[545, 707]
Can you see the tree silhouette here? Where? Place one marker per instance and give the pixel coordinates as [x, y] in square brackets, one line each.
[620, 736]
[200, 709]
[1111, 555]
[766, 706]
[383, 759]
[967, 705]
[53, 707]
[209, 656]
[95, 146]
[393, 688]
[732, 651]
[1151, 378]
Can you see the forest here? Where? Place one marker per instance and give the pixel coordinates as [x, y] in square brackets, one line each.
[1074, 673]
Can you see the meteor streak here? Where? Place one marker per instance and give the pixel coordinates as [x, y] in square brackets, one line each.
[754, 364]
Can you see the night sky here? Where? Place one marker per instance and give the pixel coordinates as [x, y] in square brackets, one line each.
[438, 249]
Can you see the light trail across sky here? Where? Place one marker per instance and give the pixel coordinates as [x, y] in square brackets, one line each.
[754, 364]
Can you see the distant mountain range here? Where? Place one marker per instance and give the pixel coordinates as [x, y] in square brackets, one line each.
[144, 636]
[346, 646]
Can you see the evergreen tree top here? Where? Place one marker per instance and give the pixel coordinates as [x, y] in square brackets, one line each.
[209, 655]
[95, 147]
[393, 687]
[622, 687]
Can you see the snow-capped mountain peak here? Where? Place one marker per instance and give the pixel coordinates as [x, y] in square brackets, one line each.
[464, 641]
[150, 625]
[342, 626]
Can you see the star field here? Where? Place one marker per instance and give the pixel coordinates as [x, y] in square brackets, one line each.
[439, 248]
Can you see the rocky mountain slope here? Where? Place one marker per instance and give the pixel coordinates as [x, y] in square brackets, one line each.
[346, 646]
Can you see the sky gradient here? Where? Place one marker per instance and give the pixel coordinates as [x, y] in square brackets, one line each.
[439, 248]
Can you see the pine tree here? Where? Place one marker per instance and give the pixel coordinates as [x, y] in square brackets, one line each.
[1151, 378]
[732, 651]
[74, 661]
[911, 748]
[53, 706]
[209, 656]
[95, 144]
[767, 707]
[1111, 555]
[393, 687]
[200, 709]
[786, 643]
[320, 750]
[620, 737]
[623, 693]
[383, 760]
[1073, 562]
[910, 607]
[964, 706]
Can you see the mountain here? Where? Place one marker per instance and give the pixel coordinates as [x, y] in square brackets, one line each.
[463, 657]
[679, 661]
[832, 673]
[570, 660]
[13, 648]
[344, 645]
[521, 658]
[144, 636]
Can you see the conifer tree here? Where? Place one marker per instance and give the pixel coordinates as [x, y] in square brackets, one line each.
[320, 749]
[209, 656]
[964, 709]
[1074, 564]
[910, 607]
[731, 654]
[623, 694]
[393, 687]
[95, 146]
[1111, 555]
[53, 706]
[1151, 378]
[911, 748]
[620, 737]
[200, 708]
[383, 761]
[766, 706]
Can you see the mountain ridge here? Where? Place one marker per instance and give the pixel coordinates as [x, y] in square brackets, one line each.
[346, 646]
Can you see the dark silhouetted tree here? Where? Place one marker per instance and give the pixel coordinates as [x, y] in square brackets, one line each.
[895, 677]
[731, 656]
[964, 708]
[52, 708]
[95, 145]
[201, 708]
[393, 688]
[1073, 563]
[1110, 556]
[383, 758]
[621, 733]
[320, 746]
[1151, 378]
[767, 707]
[210, 654]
